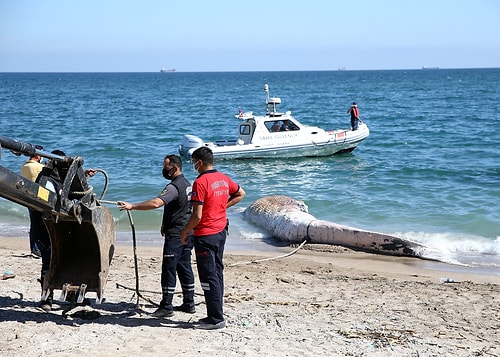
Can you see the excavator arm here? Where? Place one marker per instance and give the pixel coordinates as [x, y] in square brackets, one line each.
[82, 232]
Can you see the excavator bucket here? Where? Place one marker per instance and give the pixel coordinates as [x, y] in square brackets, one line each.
[81, 254]
[80, 229]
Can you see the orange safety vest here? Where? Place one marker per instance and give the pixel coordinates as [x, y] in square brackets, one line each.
[355, 112]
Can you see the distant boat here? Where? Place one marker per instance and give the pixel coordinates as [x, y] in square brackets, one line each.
[167, 70]
[342, 69]
[426, 67]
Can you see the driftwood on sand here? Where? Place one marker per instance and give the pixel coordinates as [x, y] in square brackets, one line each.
[288, 220]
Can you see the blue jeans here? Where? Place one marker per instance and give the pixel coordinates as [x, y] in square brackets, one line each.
[209, 252]
[176, 262]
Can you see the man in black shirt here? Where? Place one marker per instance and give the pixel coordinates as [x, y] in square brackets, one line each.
[175, 198]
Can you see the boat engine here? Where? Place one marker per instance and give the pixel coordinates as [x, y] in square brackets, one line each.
[189, 143]
[81, 231]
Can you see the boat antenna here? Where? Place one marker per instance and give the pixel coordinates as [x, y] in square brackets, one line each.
[266, 89]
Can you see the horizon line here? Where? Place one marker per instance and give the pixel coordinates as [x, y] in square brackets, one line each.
[340, 69]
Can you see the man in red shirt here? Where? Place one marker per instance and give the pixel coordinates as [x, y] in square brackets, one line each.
[212, 193]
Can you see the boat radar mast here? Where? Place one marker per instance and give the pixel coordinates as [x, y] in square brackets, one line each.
[271, 103]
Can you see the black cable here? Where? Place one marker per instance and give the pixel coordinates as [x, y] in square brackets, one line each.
[136, 265]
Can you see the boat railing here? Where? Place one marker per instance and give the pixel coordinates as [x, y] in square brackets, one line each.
[225, 142]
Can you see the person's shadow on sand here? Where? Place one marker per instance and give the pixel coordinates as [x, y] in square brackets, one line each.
[63, 313]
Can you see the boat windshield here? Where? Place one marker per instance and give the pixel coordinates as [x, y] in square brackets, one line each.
[280, 125]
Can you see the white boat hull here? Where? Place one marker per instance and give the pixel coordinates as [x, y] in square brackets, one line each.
[287, 219]
[326, 143]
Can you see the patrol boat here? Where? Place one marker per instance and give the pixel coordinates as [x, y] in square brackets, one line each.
[277, 135]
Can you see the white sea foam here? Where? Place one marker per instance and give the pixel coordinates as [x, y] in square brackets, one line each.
[459, 248]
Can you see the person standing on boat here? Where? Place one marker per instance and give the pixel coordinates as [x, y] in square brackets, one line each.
[213, 193]
[354, 111]
[176, 255]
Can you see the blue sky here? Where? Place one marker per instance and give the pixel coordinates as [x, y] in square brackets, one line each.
[253, 35]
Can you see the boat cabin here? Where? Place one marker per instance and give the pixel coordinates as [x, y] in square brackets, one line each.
[264, 126]
[272, 122]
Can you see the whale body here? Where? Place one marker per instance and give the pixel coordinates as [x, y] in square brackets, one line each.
[288, 220]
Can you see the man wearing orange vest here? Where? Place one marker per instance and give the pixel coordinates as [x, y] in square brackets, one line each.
[354, 111]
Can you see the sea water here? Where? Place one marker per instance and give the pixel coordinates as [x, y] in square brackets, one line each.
[429, 171]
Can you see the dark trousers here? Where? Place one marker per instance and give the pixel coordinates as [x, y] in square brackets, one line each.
[176, 262]
[354, 123]
[209, 252]
[32, 233]
[41, 236]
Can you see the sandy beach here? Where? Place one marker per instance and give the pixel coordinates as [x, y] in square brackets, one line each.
[320, 301]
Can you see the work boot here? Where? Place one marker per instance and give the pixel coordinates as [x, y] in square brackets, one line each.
[35, 252]
[46, 305]
[163, 312]
[211, 326]
[188, 309]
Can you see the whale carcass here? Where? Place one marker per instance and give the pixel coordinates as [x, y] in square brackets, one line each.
[288, 220]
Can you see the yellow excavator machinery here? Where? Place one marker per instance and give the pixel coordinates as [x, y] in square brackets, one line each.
[81, 230]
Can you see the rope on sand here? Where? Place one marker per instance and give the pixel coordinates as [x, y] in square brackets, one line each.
[272, 258]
